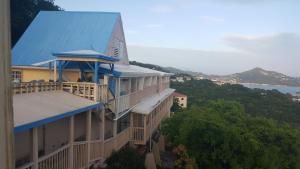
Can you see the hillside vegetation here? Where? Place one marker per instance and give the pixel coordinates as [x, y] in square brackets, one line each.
[233, 127]
[257, 102]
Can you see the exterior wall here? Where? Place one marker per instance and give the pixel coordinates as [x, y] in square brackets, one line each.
[29, 74]
[80, 127]
[56, 135]
[23, 145]
[182, 101]
[117, 38]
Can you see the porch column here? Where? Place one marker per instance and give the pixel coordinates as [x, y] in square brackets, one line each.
[6, 113]
[115, 133]
[71, 141]
[50, 70]
[102, 130]
[35, 148]
[145, 128]
[129, 86]
[151, 124]
[96, 77]
[88, 135]
[55, 71]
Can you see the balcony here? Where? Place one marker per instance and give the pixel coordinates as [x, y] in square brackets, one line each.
[91, 91]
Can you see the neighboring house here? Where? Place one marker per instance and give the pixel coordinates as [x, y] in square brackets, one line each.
[180, 79]
[76, 98]
[181, 98]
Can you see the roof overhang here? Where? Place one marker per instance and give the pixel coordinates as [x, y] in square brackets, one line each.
[37, 109]
[85, 56]
[147, 105]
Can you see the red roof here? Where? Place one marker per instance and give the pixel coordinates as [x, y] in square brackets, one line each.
[179, 94]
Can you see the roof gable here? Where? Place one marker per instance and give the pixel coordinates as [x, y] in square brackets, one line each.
[59, 31]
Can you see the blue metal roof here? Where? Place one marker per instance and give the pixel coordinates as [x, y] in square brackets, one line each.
[56, 31]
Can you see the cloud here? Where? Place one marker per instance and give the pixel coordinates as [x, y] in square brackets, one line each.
[132, 31]
[278, 45]
[278, 52]
[210, 62]
[212, 19]
[162, 8]
[153, 26]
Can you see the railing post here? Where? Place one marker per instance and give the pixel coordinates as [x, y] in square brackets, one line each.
[71, 142]
[35, 148]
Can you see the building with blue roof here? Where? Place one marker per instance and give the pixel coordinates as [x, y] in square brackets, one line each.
[76, 98]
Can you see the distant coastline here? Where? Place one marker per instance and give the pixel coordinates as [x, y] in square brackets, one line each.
[293, 90]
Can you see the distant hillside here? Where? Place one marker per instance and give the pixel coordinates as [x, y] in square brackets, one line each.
[256, 75]
[261, 76]
[164, 69]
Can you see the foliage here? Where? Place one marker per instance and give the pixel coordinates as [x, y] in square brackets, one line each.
[183, 160]
[257, 102]
[220, 135]
[127, 158]
[149, 66]
[176, 107]
[23, 12]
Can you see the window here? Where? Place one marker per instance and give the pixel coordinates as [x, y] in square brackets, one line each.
[181, 104]
[182, 98]
[17, 76]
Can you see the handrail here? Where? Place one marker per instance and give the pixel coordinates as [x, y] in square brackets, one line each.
[54, 152]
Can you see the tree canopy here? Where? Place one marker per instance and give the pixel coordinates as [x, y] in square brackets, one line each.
[256, 102]
[220, 135]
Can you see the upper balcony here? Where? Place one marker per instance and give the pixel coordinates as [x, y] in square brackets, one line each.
[91, 91]
[130, 91]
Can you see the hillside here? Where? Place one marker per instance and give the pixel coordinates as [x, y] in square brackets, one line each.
[261, 76]
[256, 75]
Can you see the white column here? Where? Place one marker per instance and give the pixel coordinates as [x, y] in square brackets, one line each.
[102, 130]
[6, 113]
[71, 141]
[35, 148]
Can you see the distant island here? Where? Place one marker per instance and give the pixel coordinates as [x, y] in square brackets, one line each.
[256, 75]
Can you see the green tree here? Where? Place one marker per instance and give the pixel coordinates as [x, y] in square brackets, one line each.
[220, 135]
[127, 158]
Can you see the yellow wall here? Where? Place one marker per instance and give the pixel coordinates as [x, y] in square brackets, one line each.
[29, 74]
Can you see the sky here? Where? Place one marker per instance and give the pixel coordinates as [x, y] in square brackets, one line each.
[210, 36]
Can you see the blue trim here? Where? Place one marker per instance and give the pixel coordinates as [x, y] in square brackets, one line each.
[110, 71]
[92, 56]
[55, 118]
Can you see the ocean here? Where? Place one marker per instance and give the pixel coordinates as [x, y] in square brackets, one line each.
[281, 88]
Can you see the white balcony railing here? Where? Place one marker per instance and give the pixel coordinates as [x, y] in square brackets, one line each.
[31, 87]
